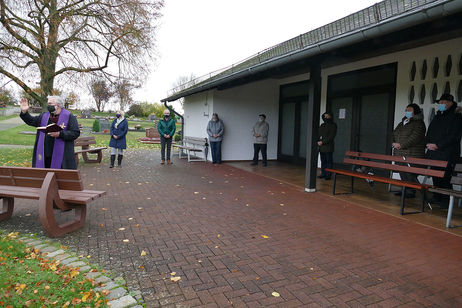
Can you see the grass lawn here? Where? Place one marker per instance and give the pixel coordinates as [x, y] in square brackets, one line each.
[29, 280]
[16, 157]
[13, 136]
[8, 117]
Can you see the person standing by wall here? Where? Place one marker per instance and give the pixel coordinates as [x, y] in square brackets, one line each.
[443, 141]
[327, 133]
[260, 140]
[118, 142]
[408, 140]
[54, 149]
[215, 130]
[166, 128]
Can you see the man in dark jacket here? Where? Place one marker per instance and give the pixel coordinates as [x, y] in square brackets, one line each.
[409, 141]
[443, 139]
[55, 149]
[166, 128]
[327, 132]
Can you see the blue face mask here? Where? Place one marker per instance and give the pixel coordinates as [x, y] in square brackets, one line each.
[441, 107]
[408, 114]
[118, 115]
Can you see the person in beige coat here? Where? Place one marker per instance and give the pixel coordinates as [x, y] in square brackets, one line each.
[260, 139]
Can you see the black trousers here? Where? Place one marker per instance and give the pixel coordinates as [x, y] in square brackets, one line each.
[165, 142]
[257, 147]
[327, 161]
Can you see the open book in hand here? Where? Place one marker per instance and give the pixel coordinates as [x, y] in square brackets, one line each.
[50, 128]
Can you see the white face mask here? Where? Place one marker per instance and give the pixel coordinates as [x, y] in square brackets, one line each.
[261, 119]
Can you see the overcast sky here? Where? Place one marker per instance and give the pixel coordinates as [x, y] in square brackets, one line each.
[201, 36]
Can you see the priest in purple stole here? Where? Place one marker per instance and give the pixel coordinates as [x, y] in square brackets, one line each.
[56, 149]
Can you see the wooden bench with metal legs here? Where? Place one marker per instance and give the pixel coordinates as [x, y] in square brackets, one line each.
[85, 143]
[193, 145]
[453, 194]
[385, 162]
[55, 189]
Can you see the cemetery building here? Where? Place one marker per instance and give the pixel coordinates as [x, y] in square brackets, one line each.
[365, 68]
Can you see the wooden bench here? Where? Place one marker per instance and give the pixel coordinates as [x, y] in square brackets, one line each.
[394, 164]
[85, 143]
[455, 180]
[54, 188]
[193, 145]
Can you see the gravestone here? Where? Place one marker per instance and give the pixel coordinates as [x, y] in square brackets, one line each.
[104, 125]
[152, 133]
[152, 117]
[86, 114]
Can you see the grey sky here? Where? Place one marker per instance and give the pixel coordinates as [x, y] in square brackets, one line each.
[201, 36]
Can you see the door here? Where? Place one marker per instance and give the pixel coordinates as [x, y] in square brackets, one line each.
[342, 109]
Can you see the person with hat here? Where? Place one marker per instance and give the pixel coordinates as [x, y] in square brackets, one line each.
[443, 140]
[53, 148]
[166, 128]
[327, 133]
[260, 139]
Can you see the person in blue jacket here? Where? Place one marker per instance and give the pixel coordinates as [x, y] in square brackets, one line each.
[118, 143]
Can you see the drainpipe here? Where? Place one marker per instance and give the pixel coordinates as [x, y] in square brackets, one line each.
[176, 113]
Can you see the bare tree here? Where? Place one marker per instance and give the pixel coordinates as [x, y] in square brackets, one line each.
[181, 83]
[123, 90]
[46, 39]
[101, 92]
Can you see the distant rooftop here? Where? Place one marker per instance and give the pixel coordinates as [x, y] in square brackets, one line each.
[366, 18]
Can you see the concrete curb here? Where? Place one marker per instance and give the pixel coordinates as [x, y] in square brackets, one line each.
[118, 296]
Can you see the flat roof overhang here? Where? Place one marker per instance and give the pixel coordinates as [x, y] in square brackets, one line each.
[433, 23]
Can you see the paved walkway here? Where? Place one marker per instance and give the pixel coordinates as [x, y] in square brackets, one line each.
[235, 237]
[10, 123]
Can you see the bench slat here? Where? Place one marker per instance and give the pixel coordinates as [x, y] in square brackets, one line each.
[80, 197]
[90, 150]
[399, 159]
[398, 168]
[63, 174]
[449, 192]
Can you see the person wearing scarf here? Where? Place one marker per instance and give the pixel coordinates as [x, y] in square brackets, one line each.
[55, 149]
[118, 143]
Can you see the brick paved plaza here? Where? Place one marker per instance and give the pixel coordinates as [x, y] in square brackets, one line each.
[235, 237]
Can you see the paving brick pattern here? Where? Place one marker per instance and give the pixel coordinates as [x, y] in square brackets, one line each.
[235, 237]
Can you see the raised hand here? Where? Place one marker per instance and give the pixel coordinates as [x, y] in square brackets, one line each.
[24, 105]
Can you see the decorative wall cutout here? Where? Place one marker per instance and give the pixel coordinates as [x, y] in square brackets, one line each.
[414, 70]
[412, 94]
[434, 93]
[436, 67]
[422, 94]
[431, 115]
[448, 65]
[423, 72]
[447, 87]
[459, 91]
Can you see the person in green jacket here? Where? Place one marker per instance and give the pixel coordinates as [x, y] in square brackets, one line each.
[327, 132]
[166, 128]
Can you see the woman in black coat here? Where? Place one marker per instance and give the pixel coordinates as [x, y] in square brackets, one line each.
[118, 143]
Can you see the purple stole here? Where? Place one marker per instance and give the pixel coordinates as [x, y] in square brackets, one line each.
[58, 147]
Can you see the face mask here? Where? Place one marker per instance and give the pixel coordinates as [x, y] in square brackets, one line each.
[51, 109]
[261, 119]
[408, 114]
[214, 119]
[166, 117]
[118, 115]
[441, 107]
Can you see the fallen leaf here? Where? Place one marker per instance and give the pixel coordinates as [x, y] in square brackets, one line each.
[172, 273]
[104, 209]
[89, 256]
[200, 261]
[121, 229]
[27, 214]
[86, 296]
[140, 208]
[282, 204]
[149, 198]
[47, 287]
[175, 279]
[127, 182]
[130, 218]
[219, 235]
[196, 192]
[101, 225]
[137, 225]
[203, 198]
[264, 236]
[143, 253]
[285, 214]
[141, 266]
[275, 294]
[125, 241]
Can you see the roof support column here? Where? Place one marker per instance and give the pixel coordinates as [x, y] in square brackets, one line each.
[314, 109]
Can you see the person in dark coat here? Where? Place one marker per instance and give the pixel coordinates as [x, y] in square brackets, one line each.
[166, 128]
[408, 140]
[54, 149]
[327, 133]
[118, 143]
[443, 140]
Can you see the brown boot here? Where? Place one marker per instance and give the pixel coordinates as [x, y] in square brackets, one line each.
[162, 162]
[169, 162]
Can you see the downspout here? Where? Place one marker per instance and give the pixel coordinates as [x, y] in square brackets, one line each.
[176, 113]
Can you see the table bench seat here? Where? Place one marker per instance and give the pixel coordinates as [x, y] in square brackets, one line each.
[193, 145]
[85, 143]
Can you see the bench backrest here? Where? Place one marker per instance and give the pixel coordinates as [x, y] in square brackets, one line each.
[195, 140]
[33, 177]
[83, 141]
[381, 161]
[457, 177]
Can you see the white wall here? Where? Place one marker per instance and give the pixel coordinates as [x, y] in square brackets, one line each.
[197, 109]
[239, 108]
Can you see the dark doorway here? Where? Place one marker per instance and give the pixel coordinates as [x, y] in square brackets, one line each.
[362, 103]
[293, 109]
